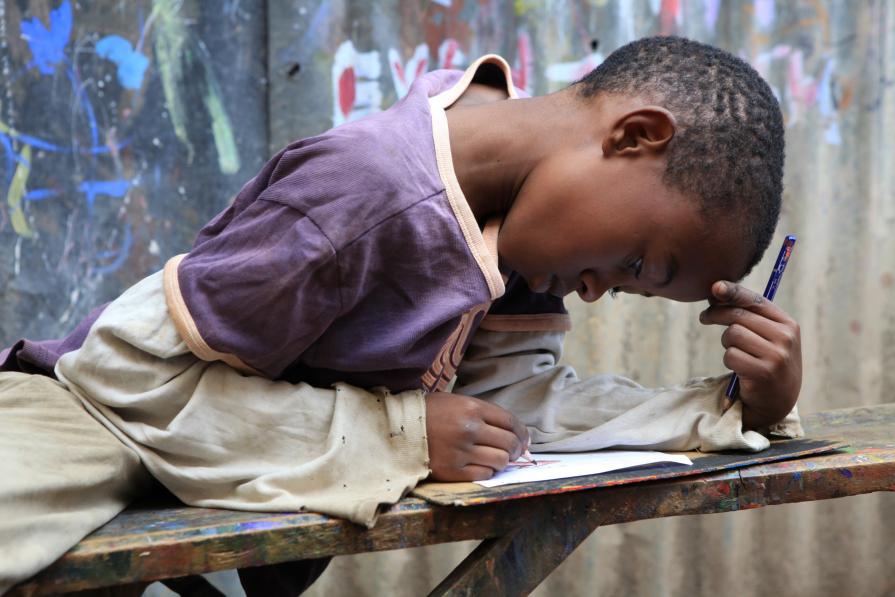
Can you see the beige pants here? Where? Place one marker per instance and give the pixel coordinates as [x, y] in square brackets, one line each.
[62, 474]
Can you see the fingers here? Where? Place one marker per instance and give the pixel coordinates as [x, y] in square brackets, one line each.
[494, 458]
[502, 439]
[500, 417]
[484, 461]
[784, 333]
[474, 472]
[744, 363]
[736, 295]
[747, 340]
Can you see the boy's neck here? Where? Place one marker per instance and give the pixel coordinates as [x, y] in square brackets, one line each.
[496, 145]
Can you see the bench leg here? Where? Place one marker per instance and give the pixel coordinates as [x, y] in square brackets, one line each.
[517, 563]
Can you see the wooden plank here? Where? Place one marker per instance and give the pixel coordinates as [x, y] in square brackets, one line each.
[164, 541]
[181, 541]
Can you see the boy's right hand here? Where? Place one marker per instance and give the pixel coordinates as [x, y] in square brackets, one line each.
[470, 439]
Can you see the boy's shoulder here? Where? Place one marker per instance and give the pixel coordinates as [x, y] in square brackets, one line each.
[361, 173]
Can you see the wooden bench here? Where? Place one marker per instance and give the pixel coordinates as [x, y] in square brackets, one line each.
[523, 540]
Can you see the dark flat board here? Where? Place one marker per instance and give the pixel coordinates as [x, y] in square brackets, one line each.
[470, 494]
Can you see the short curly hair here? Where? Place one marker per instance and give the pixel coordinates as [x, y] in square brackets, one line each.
[728, 150]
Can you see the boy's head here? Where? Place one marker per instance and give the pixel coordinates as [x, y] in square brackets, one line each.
[727, 152]
[685, 173]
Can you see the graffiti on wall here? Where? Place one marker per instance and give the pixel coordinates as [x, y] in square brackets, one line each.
[125, 126]
[803, 72]
[98, 135]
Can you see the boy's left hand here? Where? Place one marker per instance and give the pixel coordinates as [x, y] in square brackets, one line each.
[763, 346]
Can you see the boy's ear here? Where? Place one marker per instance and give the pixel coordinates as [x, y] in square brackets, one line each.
[646, 129]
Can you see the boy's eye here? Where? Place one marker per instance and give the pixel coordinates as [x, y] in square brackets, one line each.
[637, 266]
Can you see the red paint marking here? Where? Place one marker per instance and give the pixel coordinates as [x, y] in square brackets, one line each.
[854, 326]
[449, 54]
[520, 74]
[347, 91]
[798, 86]
[718, 490]
[668, 14]
[421, 68]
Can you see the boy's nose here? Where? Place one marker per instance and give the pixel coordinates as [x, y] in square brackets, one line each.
[591, 286]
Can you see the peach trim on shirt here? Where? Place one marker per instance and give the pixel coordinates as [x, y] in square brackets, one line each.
[486, 260]
[186, 326]
[540, 322]
[489, 235]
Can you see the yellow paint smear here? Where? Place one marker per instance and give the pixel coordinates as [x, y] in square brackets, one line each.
[16, 194]
[228, 156]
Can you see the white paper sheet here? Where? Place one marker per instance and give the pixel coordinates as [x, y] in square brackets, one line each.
[561, 466]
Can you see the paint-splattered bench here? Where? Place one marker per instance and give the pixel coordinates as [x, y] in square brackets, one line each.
[523, 539]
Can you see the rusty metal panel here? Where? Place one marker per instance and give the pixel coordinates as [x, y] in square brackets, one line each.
[124, 126]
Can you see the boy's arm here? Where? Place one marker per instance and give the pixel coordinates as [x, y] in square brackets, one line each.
[258, 293]
[217, 438]
[519, 371]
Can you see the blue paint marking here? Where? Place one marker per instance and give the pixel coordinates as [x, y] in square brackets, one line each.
[112, 188]
[131, 65]
[11, 156]
[258, 525]
[81, 95]
[302, 48]
[41, 194]
[48, 45]
[39, 143]
[120, 255]
[846, 473]
[9, 160]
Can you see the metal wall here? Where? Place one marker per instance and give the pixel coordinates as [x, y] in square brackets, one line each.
[125, 126]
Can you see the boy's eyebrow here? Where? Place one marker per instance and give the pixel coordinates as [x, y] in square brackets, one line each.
[669, 273]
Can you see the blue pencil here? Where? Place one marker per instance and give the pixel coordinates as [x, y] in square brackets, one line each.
[769, 292]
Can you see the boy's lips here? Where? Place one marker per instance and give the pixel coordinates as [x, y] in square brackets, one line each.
[539, 286]
[557, 288]
[554, 286]
[551, 285]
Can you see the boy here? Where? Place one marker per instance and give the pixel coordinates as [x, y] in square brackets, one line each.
[235, 376]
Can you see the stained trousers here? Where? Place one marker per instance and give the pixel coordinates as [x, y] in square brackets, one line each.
[62, 474]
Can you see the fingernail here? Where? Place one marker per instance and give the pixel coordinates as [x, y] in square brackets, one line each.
[722, 288]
